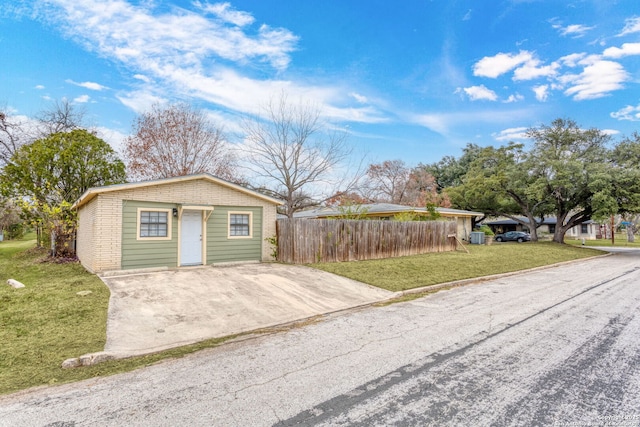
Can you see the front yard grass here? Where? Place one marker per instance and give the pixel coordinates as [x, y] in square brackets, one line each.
[619, 241]
[47, 322]
[401, 274]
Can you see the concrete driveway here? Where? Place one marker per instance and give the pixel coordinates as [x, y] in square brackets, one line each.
[155, 311]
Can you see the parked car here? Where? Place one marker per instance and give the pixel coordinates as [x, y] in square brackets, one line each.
[513, 236]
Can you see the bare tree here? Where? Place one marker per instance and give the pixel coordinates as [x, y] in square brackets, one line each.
[392, 181]
[61, 116]
[387, 181]
[11, 136]
[294, 151]
[177, 140]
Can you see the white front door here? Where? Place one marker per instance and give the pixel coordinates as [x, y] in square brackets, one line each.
[191, 238]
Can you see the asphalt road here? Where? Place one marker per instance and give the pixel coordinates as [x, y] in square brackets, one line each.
[560, 346]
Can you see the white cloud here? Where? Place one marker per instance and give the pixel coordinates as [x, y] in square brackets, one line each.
[225, 12]
[574, 30]
[39, 87]
[477, 93]
[632, 25]
[627, 49]
[629, 112]
[467, 16]
[141, 100]
[494, 66]
[573, 59]
[360, 98]
[162, 47]
[513, 98]
[442, 123]
[511, 134]
[88, 85]
[542, 92]
[82, 99]
[142, 77]
[113, 137]
[596, 80]
[532, 70]
[145, 38]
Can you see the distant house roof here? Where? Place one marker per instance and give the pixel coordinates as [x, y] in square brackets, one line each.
[380, 209]
[94, 191]
[509, 221]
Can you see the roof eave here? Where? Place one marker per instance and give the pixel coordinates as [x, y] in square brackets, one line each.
[91, 193]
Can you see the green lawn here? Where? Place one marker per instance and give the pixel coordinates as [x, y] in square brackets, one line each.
[620, 240]
[47, 322]
[400, 274]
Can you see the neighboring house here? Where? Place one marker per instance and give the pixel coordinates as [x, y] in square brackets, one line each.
[172, 222]
[386, 211]
[589, 230]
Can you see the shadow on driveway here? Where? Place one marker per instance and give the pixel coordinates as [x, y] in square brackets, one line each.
[155, 311]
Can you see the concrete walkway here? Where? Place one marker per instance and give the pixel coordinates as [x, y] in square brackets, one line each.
[155, 311]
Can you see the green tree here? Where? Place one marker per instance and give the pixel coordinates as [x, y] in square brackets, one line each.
[48, 175]
[449, 171]
[61, 167]
[569, 172]
[498, 183]
[618, 188]
[571, 168]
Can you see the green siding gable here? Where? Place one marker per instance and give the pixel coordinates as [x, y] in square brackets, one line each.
[220, 248]
[146, 253]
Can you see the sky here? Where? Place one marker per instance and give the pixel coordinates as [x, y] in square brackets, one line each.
[410, 80]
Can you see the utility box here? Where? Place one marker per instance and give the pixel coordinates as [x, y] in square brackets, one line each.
[477, 238]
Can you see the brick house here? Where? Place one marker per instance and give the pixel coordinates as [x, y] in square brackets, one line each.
[173, 222]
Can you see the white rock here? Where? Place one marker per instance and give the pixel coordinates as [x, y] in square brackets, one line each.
[71, 363]
[15, 284]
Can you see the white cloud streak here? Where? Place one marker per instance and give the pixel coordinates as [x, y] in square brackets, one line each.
[442, 123]
[629, 113]
[88, 85]
[574, 30]
[511, 134]
[225, 12]
[170, 62]
[632, 25]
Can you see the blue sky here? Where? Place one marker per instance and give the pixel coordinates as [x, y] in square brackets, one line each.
[410, 80]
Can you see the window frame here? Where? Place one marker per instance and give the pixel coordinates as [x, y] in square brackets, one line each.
[584, 228]
[229, 224]
[169, 213]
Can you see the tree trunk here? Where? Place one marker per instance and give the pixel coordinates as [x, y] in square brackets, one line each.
[561, 229]
[630, 236]
[533, 229]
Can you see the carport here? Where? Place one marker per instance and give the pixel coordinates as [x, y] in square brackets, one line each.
[154, 311]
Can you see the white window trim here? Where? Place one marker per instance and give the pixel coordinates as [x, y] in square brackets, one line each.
[229, 236]
[169, 223]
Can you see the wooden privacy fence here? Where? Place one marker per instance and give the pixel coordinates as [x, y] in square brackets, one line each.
[302, 241]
